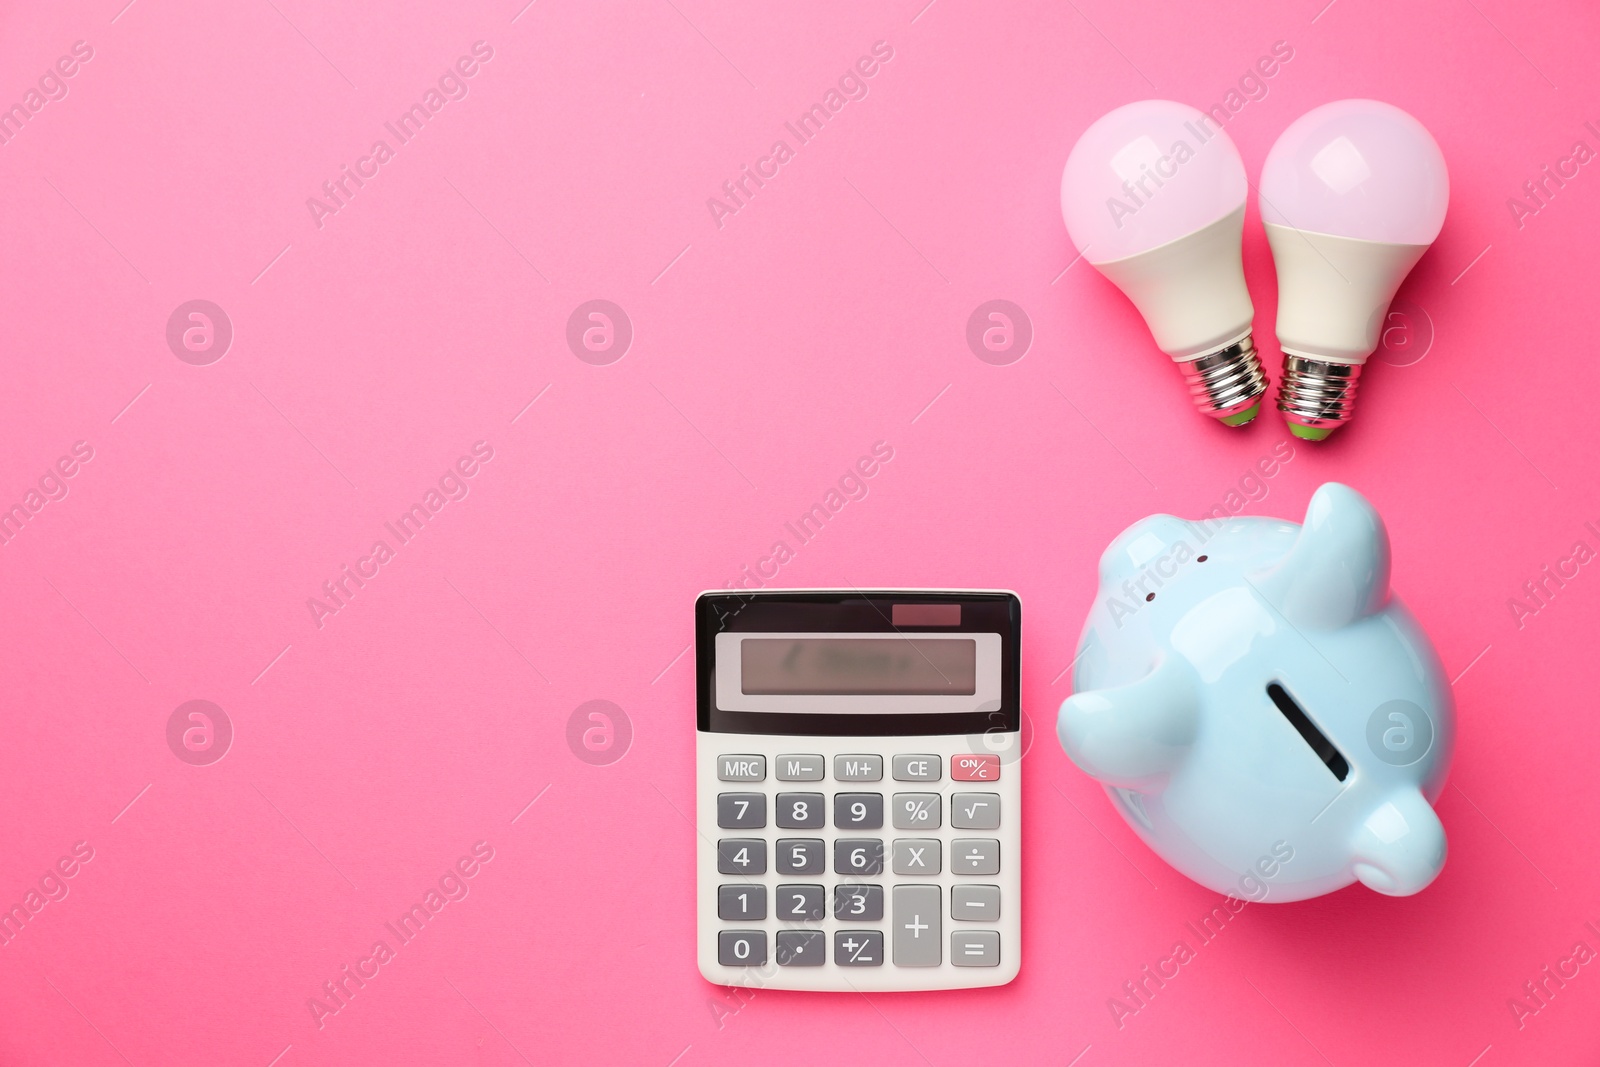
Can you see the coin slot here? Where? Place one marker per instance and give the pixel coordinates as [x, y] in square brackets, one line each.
[1325, 750]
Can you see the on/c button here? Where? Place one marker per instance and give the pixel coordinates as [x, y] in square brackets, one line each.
[975, 768]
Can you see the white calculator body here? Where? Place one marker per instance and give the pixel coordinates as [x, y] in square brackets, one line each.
[859, 789]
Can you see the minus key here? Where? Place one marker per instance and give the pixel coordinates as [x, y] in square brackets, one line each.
[975, 903]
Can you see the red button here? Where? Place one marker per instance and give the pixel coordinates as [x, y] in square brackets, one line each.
[975, 768]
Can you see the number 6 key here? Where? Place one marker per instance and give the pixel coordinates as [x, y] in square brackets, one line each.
[857, 856]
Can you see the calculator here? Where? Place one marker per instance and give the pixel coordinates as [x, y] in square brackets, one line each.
[858, 788]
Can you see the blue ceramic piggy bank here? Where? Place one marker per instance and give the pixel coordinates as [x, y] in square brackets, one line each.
[1259, 707]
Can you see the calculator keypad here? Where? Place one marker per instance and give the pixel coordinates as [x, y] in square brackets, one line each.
[886, 883]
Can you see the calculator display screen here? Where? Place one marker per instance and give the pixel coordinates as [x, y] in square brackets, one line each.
[858, 663]
[847, 666]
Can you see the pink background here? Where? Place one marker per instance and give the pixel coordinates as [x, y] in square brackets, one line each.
[828, 314]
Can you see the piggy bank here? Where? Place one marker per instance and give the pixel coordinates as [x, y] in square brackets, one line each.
[1265, 715]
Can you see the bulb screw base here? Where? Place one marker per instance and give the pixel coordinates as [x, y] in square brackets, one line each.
[1227, 384]
[1316, 397]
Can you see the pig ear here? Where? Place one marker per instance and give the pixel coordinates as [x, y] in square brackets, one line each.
[1338, 569]
[1400, 848]
[1132, 735]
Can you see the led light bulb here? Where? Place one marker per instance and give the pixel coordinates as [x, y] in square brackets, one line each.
[1352, 195]
[1153, 196]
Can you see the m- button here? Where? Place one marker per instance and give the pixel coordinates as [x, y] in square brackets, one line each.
[799, 768]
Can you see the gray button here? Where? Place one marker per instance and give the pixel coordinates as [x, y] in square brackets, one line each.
[917, 929]
[974, 855]
[801, 811]
[858, 855]
[916, 855]
[916, 768]
[741, 811]
[858, 948]
[975, 811]
[741, 855]
[858, 811]
[802, 948]
[801, 855]
[747, 903]
[858, 903]
[975, 903]
[916, 811]
[741, 768]
[857, 768]
[799, 768]
[799, 904]
[741, 948]
[974, 948]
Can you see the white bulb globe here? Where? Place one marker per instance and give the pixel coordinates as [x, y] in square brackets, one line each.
[1153, 195]
[1352, 194]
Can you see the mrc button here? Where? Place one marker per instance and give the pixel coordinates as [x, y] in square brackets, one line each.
[741, 768]
[975, 768]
